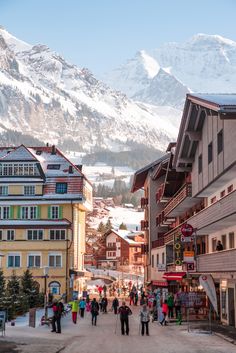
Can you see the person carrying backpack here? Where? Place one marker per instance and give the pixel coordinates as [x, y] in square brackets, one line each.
[124, 312]
[57, 309]
[94, 311]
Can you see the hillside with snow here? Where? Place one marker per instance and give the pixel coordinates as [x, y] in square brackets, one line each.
[163, 76]
[44, 96]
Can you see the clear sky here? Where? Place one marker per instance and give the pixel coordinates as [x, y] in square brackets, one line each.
[102, 34]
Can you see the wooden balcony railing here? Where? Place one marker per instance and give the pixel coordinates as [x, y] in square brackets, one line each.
[224, 260]
[144, 202]
[144, 225]
[158, 242]
[180, 196]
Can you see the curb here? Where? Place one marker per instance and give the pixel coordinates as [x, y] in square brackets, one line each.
[226, 338]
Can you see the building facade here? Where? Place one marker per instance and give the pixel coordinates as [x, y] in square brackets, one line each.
[43, 203]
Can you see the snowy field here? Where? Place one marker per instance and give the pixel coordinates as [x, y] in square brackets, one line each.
[130, 217]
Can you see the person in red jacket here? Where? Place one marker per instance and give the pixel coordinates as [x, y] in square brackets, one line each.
[164, 312]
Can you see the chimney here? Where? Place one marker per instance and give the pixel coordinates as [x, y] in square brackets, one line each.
[70, 169]
[53, 150]
[79, 166]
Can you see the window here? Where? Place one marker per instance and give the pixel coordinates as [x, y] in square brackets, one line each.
[53, 166]
[9, 169]
[231, 240]
[4, 212]
[222, 194]
[213, 244]
[34, 260]
[10, 234]
[152, 260]
[13, 260]
[35, 234]
[157, 260]
[3, 190]
[223, 240]
[55, 260]
[200, 164]
[29, 190]
[29, 212]
[163, 257]
[54, 288]
[210, 153]
[57, 234]
[230, 188]
[113, 245]
[61, 188]
[54, 212]
[220, 142]
[1, 235]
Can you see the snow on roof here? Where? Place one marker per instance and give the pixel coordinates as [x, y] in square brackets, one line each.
[20, 153]
[126, 235]
[222, 100]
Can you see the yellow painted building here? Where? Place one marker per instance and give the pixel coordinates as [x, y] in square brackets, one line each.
[43, 203]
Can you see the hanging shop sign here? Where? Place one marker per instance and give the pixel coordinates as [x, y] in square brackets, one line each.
[190, 266]
[177, 250]
[188, 256]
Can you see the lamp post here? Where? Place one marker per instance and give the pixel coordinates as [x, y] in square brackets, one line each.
[45, 275]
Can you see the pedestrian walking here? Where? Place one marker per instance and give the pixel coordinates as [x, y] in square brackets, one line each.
[94, 311]
[57, 309]
[104, 305]
[88, 307]
[131, 298]
[136, 298]
[164, 312]
[170, 303]
[82, 305]
[145, 318]
[115, 305]
[74, 310]
[124, 312]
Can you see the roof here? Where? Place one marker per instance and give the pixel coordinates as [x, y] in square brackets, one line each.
[141, 174]
[127, 235]
[196, 109]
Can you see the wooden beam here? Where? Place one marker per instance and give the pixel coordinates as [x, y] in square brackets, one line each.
[183, 169]
[194, 135]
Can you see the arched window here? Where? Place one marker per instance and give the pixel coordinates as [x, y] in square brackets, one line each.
[54, 287]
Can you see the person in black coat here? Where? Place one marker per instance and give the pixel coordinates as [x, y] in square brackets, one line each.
[115, 305]
[124, 312]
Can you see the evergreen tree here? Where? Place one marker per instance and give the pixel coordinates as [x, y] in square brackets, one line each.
[108, 225]
[123, 226]
[13, 296]
[101, 227]
[30, 289]
[2, 290]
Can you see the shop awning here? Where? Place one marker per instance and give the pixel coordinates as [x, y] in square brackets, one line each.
[174, 276]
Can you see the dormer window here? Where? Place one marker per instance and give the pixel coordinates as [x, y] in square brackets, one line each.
[61, 188]
[18, 169]
[53, 166]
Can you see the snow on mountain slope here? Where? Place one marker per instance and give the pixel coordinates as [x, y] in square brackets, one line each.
[44, 96]
[204, 63]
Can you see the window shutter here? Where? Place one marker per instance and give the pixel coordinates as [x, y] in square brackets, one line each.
[49, 212]
[11, 212]
[38, 212]
[19, 212]
[60, 212]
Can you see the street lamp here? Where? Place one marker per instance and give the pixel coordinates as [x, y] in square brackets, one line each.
[45, 275]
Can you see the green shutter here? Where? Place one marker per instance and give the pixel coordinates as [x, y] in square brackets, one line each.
[19, 212]
[38, 212]
[60, 212]
[11, 212]
[49, 212]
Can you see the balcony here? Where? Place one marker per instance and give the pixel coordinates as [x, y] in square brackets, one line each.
[221, 261]
[180, 202]
[144, 202]
[158, 242]
[216, 217]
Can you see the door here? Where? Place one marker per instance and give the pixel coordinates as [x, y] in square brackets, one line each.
[231, 308]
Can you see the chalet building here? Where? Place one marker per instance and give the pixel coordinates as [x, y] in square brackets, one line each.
[122, 251]
[198, 189]
[43, 203]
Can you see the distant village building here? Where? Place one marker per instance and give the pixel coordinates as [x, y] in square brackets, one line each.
[122, 251]
[43, 203]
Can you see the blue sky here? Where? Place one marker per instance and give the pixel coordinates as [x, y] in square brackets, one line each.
[101, 34]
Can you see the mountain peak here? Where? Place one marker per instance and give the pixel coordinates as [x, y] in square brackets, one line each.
[202, 38]
[150, 64]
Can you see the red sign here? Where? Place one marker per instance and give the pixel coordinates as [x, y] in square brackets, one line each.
[160, 283]
[187, 230]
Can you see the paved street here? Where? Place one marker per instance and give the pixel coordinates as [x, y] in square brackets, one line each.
[85, 338]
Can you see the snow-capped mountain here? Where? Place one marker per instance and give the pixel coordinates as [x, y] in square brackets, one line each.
[42, 95]
[205, 63]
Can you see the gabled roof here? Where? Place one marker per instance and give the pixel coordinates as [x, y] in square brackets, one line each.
[20, 153]
[141, 174]
[126, 235]
[197, 108]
